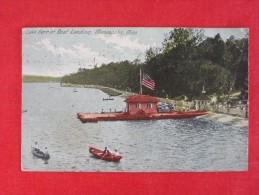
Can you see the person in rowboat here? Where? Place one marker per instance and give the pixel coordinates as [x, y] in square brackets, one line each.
[46, 150]
[106, 151]
[116, 153]
[36, 147]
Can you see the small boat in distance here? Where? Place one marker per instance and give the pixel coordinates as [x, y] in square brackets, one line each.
[100, 155]
[39, 154]
[74, 90]
[109, 98]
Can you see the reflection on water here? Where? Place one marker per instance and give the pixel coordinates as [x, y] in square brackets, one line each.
[146, 146]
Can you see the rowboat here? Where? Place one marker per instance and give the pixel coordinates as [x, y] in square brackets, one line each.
[38, 153]
[109, 98]
[101, 155]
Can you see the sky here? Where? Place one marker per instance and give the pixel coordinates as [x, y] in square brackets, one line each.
[61, 51]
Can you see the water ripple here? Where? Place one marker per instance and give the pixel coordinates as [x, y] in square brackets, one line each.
[151, 146]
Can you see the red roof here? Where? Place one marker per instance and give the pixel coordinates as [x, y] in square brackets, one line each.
[141, 99]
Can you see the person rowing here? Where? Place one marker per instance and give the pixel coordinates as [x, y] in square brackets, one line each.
[36, 147]
[106, 151]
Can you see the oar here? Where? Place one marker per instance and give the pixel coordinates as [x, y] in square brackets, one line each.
[104, 156]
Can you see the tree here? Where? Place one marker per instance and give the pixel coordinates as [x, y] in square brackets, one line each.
[185, 62]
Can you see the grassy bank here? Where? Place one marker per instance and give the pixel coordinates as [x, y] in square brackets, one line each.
[108, 90]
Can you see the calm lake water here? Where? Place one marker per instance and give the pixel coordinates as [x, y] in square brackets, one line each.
[184, 145]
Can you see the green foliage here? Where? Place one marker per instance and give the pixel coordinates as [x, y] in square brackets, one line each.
[123, 75]
[186, 62]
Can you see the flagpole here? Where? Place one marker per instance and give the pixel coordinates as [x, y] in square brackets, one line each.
[140, 80]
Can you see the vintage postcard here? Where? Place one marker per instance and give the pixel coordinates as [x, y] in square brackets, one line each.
[135, 99]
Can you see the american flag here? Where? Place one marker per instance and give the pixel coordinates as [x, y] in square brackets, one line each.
[147, 81]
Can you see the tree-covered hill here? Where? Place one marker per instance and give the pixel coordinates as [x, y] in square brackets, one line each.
[185, 63]
[123, 75]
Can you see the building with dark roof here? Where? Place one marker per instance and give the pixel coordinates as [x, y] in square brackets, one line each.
[202, 102]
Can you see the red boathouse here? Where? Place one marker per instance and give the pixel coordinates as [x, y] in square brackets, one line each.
[141, 104]
[139, 107]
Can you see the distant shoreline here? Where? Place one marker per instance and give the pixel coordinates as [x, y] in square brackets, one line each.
[108, 90]
[40, 79]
